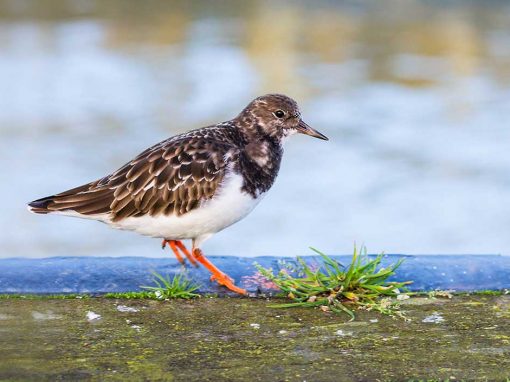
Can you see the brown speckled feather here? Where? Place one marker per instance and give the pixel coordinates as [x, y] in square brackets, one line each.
[173, 177]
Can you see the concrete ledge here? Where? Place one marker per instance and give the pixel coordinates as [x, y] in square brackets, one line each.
[107, 274]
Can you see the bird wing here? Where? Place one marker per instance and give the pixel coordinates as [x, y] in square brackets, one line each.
[172, 178]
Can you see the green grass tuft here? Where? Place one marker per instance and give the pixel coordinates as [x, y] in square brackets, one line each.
[333, 287]
[177, 287]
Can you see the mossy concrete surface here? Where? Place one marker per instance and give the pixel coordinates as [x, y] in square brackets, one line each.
[242, 339]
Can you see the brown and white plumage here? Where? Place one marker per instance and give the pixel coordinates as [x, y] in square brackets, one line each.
[172, 177]
[195, 184]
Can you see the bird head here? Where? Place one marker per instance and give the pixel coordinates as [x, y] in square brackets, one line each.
[278, 116]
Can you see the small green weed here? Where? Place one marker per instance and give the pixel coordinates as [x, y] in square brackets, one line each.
[177, 287]
[333, 287]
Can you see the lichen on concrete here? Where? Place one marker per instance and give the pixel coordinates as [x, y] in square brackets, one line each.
[240, 339]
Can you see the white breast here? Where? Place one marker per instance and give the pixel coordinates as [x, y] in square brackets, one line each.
[228, 206]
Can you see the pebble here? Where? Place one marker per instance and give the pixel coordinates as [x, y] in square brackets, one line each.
[434, 318]
[124, 308]
[91, 316]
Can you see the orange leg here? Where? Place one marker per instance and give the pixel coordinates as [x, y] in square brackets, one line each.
[188, 255]
[177, 245]
[217, 275]
[174, 249]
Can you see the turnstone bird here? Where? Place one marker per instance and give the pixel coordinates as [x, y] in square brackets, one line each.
[194, 184]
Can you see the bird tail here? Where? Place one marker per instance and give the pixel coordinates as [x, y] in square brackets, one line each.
[40, 206]
[84, 200]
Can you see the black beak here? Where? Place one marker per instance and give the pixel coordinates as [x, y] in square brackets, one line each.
[303, 128]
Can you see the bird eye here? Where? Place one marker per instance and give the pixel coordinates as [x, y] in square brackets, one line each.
[279, 113]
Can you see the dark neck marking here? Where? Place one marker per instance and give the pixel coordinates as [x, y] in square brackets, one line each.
[259, 164]
[260, 155]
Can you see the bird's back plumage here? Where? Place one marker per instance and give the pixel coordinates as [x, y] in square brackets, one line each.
[172, 177]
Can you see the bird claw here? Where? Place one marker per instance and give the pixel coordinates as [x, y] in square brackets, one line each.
[227, 282]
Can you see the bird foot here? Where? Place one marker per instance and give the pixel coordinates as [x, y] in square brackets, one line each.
[217, 275]
[223, 279]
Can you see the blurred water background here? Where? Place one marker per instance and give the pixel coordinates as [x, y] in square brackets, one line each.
[414, 95]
